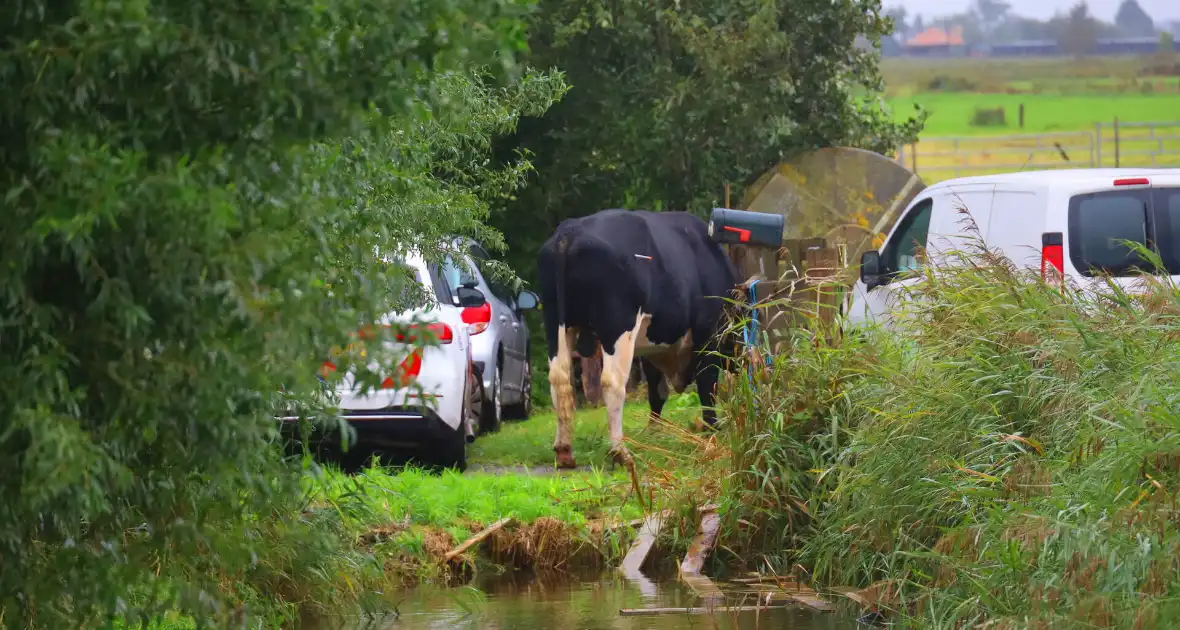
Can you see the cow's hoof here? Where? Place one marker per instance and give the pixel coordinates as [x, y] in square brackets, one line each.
[621, 456]
[704, 427]
[565, 459]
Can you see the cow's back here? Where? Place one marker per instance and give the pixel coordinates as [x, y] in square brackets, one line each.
[617, 262]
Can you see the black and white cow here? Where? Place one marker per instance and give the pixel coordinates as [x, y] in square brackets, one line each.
[642, 284]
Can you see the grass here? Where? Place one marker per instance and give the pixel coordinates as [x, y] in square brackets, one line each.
[906, 76]
[951, 112]
[1009, 457]
[405, 520]
[530, 443]
[1061, 96]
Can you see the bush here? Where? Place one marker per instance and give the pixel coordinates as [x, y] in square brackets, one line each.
[195, 197]
[945, 83]
[989, 117]
[1011, 455]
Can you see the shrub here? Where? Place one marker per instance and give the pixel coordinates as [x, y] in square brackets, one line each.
[195, 196]
[989, 117]
[1008, 455]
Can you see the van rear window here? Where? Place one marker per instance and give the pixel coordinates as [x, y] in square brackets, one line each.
[1166, 208]
[1099, 223]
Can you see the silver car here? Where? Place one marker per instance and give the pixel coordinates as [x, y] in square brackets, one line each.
[500, 346]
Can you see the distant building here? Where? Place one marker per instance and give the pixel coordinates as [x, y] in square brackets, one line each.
[1026, 48]
[1130, 46]
[937, 42]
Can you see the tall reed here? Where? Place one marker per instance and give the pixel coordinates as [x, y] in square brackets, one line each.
[1009, 453]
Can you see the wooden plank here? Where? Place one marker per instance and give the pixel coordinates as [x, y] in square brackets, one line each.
[637, 554]
[476, 539]
[637, 612]
[702, 544]
[704, 588]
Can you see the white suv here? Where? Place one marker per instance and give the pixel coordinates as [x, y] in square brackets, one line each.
[438, 420]
[1068, 223]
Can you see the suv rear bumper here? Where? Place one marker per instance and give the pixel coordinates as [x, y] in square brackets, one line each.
[392, 426]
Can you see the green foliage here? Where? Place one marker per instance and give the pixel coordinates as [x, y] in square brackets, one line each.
[1008, 456]
[195, 196]
[670, 100]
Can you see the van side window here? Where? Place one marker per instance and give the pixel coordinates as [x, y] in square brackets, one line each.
[1098, 225]
[901, 252]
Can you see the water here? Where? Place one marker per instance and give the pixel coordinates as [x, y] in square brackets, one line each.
[589, 601]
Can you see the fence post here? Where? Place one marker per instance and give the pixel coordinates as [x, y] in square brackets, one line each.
[1116, 141]
[1097, 145]
[1022, 115]
[914, 157]
[956, 151]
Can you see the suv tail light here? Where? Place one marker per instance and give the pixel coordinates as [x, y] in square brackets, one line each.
[477, 318]
[409, 369]
[1052, 254]
[443, 332]
[411, 366]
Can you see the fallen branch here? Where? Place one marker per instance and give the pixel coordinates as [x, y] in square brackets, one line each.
[476, 539]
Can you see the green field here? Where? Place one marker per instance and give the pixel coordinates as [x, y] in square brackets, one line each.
[1058, 94]
[951, 113]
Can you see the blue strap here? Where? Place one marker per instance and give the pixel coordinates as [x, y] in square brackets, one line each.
[750, 330]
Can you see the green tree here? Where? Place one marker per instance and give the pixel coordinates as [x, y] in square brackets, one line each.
[195, 197]
[1133, 20]
[671, 99]
[1079, 31]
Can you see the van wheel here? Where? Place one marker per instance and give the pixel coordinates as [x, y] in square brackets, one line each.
[523, 409]
[491, 413]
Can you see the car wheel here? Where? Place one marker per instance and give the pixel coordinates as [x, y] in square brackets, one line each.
[492, 413]
[453, 451]
[523, 409]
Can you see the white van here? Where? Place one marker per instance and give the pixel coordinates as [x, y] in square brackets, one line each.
[1069, 221]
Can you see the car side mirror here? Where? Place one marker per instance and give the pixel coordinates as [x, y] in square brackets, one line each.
[527, 301]
[470, 297]
[870, 269]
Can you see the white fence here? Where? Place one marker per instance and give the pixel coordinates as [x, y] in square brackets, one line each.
[1153, 144]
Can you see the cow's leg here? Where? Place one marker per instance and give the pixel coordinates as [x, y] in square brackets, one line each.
[708, 372]
[657, 388]
[561, 387]
[616, 367]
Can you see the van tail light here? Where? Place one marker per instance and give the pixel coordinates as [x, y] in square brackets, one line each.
[477, 318]
[1132, 181]
[1052, 254]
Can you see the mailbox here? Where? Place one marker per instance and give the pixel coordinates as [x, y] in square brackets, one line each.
[742, 227]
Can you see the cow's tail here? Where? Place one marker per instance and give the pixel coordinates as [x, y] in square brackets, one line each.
[559, 280]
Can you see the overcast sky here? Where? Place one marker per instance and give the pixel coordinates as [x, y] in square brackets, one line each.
[1159, 10]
